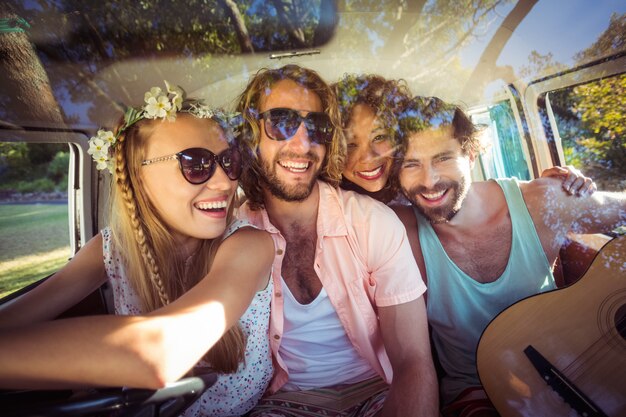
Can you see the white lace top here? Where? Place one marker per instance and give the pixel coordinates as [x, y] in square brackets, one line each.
[232, 394]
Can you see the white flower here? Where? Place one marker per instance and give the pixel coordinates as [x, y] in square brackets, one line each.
[177, 100]
[157, 107]
[100, 153]
[171, 114]
[159, 104]
[107, 136]
[101, 161]
[97, 146]
[154, 93]
[201, 111]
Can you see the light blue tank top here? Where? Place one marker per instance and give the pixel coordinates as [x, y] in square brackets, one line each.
[459, 308]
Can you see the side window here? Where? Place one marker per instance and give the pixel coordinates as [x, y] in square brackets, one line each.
[34, 220]
[590, 120]
[505, 155]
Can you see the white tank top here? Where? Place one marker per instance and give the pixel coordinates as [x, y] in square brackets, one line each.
[315, 346]
[233, 394]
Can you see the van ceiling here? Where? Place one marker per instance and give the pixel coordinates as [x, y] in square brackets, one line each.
[97, 57]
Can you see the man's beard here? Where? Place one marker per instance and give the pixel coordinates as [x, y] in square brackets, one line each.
[286, 192]
[442, 213]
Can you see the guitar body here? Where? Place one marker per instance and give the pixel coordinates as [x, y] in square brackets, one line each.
[576, 330]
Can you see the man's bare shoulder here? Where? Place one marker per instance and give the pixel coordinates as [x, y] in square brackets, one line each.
[406, 215]
[544, 193]
[542, 186]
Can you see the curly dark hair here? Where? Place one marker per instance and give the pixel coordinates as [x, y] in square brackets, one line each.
[386, 98]
[249, 104]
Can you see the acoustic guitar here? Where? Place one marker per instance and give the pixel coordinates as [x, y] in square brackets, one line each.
[563, 352]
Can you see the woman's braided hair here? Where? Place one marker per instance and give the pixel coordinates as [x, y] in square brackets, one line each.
[147, 243]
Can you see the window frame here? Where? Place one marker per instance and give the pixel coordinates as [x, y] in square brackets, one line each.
[80, 186]
[508, 94]
[546, 138]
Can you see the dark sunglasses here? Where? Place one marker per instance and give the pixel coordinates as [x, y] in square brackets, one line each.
[198, 164]
[282, 124]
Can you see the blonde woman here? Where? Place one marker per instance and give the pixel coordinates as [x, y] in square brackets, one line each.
[191, 285]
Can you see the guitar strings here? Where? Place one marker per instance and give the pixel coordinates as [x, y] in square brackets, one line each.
[595, 355]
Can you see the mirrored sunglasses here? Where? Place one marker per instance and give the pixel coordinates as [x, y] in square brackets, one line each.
[198, 164]
[282, 124]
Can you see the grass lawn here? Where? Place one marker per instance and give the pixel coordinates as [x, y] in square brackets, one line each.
[33, 243]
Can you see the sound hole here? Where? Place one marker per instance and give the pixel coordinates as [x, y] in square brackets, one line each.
[620, 321]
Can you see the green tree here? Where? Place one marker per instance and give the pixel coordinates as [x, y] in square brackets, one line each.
[592, 116]
[412, 30]
[26, 88]
[92, 34]
[57, 169]
[13, 161]
[600, 144]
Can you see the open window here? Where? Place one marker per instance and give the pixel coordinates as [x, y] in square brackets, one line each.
[46, 204]
[507, 152]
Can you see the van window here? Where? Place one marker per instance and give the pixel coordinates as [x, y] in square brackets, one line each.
[591, 122]
[34, 221]
[505, 155]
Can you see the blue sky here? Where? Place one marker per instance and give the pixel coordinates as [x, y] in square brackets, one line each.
[560, 27]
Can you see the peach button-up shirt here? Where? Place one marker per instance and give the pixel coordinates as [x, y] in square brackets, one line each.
[363, 260]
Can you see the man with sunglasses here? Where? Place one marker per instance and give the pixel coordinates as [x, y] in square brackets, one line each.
[348, 310]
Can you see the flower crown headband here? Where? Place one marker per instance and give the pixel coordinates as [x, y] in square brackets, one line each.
[162, 105]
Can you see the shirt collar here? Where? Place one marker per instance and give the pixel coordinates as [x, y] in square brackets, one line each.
[330, 216]
[331, 220]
